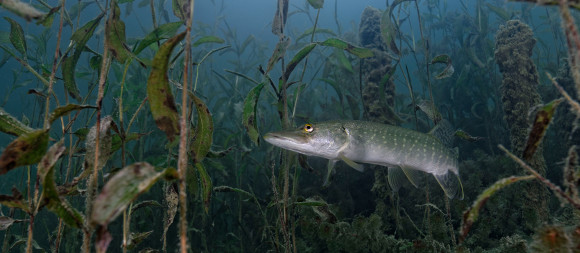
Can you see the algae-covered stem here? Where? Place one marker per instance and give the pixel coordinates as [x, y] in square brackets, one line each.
[426, 46]
[183, 126]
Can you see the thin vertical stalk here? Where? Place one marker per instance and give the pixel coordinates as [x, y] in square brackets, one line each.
[426, 47]
[184, 129]
[126, 219]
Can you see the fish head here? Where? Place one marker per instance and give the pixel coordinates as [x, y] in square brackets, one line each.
[322, 140]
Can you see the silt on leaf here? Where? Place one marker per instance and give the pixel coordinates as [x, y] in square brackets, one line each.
[202, 138]
[449, 69]
[10, 125]
[25, 150]
[105, 143]
[206, 186]
[181, 9]
[115, 34]
[280, 17]
[541, 123]
[161, 98]
[249, 113]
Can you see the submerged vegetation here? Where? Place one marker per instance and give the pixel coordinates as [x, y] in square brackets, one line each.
[110, 131]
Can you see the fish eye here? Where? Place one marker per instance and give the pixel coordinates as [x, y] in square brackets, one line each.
[308, 128]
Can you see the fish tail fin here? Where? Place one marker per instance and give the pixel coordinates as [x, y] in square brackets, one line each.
[449, 184]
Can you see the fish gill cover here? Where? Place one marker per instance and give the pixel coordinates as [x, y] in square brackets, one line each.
[138, 126]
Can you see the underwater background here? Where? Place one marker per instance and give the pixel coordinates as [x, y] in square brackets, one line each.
[100, 153]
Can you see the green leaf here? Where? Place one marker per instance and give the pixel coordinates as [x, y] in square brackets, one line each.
[203, 131]
[64, 110]
[208, 39]
[159, 93]
[122, 189]
[15, 201]
[249, 113]
[298, 58]
[11, 125]
[308, 32]
[316, 4]
[206, 186]
[541, 123]
[466, 136]
[164, 31]
[448, 71]
[115, 34]
[445, 59]
[21, 9]
[50, 195]
[47, 19]
[278, 53]
[225, 188]
[145, 203]
[311, 203]
[27, 149]
[340, 44]
[17, 36]
[500, 12]
[471, 214]
[344, 62]
[136, 238]
[68, 76]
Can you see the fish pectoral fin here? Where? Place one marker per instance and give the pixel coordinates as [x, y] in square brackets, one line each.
[330, 167]
[396, 178]
[351, 163]
[414, 176]
[449, 184]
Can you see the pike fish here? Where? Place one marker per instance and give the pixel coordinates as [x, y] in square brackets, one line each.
[403, 151]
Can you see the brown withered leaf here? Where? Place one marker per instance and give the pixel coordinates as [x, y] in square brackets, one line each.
[25, 150]
[541, 122]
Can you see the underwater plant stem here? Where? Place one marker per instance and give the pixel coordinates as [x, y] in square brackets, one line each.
[54, 66]
[449, 223]
[426, 47]
[136, 113]
[125, 223]
[574, 104]
[545, 181]
[573, 42]
[184, 129]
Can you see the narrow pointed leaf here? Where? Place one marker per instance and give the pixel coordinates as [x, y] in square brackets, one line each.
[6, 222]
[159, 92]
[344, 62]
[15, 201]
[278, 53]
[280, 17]
[541, 123]
[298, 58]
[206, 186]
[64, 110]
[203, 131]
[334, 86]
[54, 202]
[68, 76]
[46, 20]
[115, 34]
[225, 188]
[145, 203]
[21, 9]
[11, 125]
[136, 238]
[164, 31]
[308, 32]
[25, 150]
[17, 36]
[449, 69]
[340, 44]
[471, 214]
[122, 189]
[316, 4]
[388, 28]
[249, 113]
[208, 39]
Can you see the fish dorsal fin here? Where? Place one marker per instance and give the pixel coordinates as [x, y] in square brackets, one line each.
[414, 176]
[351, 163]
[444, 132]
[449, 184]
[330, 167]
[395, 178]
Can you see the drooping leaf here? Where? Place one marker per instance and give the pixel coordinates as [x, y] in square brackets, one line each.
[278, 53]
[116, 141]
[81, 36]
[466, 136]
[115, 34]
[17, 36]
[206, 186]
[388, 28]
[122, 189]
[27, 149]
[316, 4]
[159, 92]
[297, 59]
[164, 31]
[105, 143]
[245, 44]
[11, 125]
[344, 62]
[203, 130]
[145, 203]
[541, 123]
[136, 238]
[249, 113]
[471, 214]
[46, 20]
[208, 39]
[220, 153]
[225, 188]
[21, 9]
[445, 59]
[340, 44]
[54, 202]
[15, 201]
[181, 9]
[64, 110]
[6, 222]
[280, 17]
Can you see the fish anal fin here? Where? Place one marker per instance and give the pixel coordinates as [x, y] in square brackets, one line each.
[449, 184]
[396, 178]
[351, 163]
[330, 167]
[414, 176]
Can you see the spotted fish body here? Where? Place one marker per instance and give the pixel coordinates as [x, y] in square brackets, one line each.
[373, 143]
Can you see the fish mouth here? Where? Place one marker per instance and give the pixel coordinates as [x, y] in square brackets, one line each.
[283, 139]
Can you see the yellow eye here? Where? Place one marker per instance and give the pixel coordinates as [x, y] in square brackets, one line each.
[308, 128]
